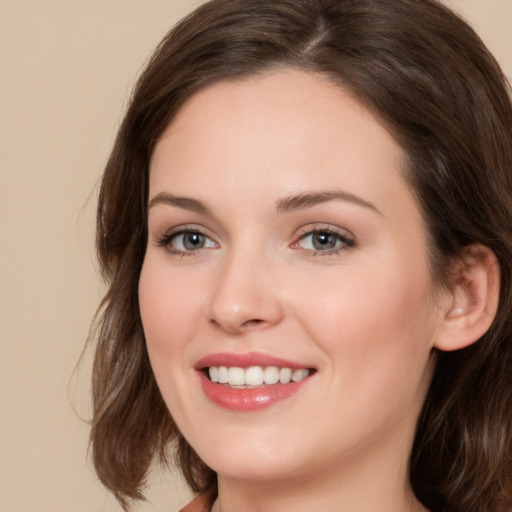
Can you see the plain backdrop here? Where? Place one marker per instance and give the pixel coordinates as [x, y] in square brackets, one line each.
[66, 68]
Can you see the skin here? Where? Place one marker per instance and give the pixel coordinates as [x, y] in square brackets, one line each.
[366, 317]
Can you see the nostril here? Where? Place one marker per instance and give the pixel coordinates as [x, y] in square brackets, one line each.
[252, 322]
[234, 327]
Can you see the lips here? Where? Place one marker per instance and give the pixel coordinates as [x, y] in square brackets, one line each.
[248, 382]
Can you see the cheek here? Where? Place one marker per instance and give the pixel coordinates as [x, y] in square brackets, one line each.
[168, 310]
[362, 300]
[374, 327]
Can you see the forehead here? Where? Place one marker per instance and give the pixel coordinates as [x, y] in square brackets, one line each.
[276, 98]
[286, 130]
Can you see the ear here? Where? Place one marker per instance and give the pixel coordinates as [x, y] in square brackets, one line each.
[472, 299]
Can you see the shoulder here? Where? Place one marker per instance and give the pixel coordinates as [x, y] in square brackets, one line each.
[201, 503]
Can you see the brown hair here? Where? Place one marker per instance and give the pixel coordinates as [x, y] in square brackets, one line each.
[427, 75]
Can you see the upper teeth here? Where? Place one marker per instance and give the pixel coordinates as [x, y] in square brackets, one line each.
[255, 375]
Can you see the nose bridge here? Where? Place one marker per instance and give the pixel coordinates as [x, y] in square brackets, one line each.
[243, 298]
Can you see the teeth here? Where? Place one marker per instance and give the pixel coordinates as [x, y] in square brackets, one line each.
[285, 375]
[223, 375]
[299, 375]
[255, 375]
[271, 375]
[214, 374]
[236, 376]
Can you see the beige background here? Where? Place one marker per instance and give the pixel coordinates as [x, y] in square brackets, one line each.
[65, 71]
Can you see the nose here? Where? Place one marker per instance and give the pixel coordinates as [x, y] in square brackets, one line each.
[244, 298]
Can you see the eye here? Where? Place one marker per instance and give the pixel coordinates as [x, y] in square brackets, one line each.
[325, 241]
[186, 241]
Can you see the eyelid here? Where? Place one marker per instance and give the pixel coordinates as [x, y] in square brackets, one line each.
[317, 226]
[344, 235]
[164, 240]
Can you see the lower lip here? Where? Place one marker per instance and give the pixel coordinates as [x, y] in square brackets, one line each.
[248, 399]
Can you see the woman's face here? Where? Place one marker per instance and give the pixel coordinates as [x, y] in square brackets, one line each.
[284, 244]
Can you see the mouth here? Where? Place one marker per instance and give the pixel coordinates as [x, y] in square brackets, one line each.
[255, 376]
[248, 382]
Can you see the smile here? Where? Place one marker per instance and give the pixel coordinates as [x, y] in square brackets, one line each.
[255, 376]
[251, 381]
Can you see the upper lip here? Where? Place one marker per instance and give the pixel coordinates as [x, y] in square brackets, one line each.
[246, 360]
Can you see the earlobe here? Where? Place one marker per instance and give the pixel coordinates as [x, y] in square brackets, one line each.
[473, 299]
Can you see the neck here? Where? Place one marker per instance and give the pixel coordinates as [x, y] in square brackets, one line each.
[275, 498]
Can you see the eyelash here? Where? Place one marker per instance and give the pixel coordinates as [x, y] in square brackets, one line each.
[344, 241]
[166, 241]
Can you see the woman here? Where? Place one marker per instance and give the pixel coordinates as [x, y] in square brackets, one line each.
[306, 227]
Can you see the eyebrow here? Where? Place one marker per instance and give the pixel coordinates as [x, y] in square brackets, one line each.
[309, 199]
[186, 203]
[287, 204]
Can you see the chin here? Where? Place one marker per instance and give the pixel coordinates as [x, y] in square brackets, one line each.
[256, 469]
[256, 460]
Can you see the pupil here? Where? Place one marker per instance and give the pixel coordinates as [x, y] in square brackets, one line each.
[194, 241]
[323, 241]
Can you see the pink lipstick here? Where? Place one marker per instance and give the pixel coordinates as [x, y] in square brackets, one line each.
[251, 381]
